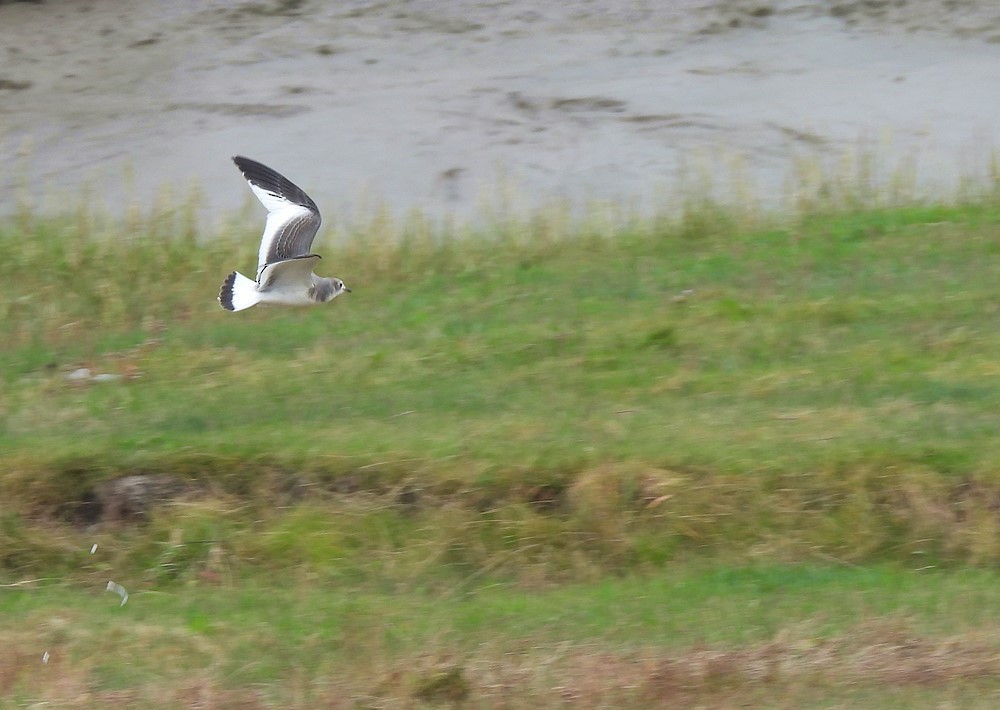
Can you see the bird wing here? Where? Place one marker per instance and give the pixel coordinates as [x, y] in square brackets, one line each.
[292, 217]
[289, 274]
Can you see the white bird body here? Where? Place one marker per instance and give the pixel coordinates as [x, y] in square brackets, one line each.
[284, 264]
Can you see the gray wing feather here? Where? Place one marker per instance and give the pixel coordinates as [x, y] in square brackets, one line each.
[292, 274]
[291, 235]
[292, 217]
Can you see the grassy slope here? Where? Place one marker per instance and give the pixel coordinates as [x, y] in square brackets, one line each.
[560, 409]
[833, 367]
[856, 337]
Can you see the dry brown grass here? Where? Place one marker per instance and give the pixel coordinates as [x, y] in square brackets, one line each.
[609, 519]
[783, 670]
[881, 659]
[783, 673]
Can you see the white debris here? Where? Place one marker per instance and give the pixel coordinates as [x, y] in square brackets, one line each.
[93, 549]
[84, 374]
[119, 590]
[105, 377]
[45, 657]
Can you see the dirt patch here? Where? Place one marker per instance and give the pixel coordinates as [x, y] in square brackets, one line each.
[14, 85]
[236, 109]
[133, 497]
[961, 18]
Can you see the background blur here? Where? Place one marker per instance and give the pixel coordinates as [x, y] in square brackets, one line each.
[430, 104]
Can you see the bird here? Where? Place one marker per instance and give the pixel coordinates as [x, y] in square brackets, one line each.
[285, 262]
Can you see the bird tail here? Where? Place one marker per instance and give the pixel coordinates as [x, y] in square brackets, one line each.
[238, 292]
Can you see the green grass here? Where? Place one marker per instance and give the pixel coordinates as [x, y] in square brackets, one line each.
[609, 461]
[829, 379]
[829, 633]
[799, 347]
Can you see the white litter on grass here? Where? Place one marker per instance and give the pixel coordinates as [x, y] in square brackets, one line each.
[45, 657]
[119, 590]
[105, 377]
[84, 374]
[93, 549]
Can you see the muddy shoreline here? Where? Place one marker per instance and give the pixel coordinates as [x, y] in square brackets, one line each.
[419, 107]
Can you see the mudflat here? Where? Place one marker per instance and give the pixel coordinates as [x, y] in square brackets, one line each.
[432, 105]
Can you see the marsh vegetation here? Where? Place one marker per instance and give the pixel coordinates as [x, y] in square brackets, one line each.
[587, 458]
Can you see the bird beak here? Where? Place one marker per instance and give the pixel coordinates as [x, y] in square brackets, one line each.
[347, 289]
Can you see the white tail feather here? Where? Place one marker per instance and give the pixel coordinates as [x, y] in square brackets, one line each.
[238, 292]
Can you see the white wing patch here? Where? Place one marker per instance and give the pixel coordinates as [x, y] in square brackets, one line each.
[280, 213]
[271, 200]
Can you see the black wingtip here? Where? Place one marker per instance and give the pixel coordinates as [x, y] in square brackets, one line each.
[248, 165]
[226, 292]
[258, 174]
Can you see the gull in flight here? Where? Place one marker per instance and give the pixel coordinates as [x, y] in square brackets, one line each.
[285, 264]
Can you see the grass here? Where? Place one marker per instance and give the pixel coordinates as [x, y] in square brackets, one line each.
[658, 455]
[828, 331]
[827, 368]
[708, 634]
